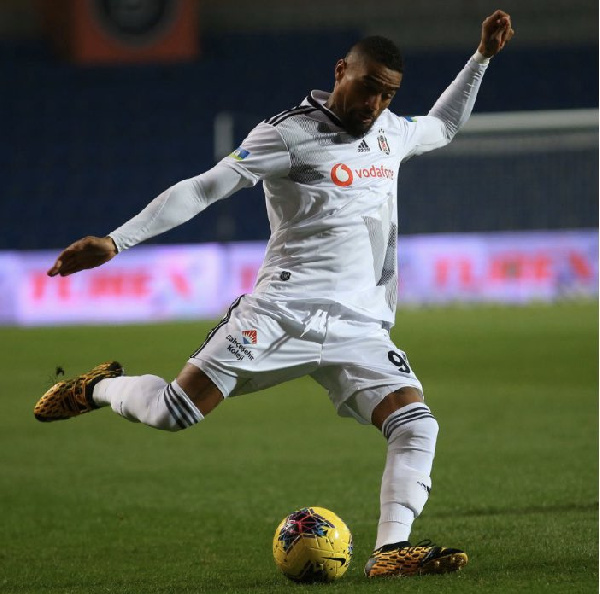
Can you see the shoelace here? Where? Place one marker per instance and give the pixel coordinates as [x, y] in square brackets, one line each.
[55, 378]
[423, 543]
[408, 547]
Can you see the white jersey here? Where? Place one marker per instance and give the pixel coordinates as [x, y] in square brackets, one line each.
[331, 198]
[332, 204]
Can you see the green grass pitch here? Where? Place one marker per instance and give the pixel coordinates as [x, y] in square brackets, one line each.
[97, 504]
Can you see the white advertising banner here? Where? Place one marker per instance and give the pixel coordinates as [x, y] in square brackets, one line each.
[148, 283]
[155, 283]
[498, 267]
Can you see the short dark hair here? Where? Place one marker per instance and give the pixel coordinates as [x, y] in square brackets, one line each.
[382, 50]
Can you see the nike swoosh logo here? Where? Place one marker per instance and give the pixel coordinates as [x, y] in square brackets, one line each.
[342, 560]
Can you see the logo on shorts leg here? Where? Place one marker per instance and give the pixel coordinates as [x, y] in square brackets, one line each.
[249, 336]
[237, 348]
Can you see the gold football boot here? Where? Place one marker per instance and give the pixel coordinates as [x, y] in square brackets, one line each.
[73, 397]
[402, 559]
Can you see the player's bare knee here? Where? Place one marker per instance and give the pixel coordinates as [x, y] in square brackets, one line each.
[199, 388]
[393, 402]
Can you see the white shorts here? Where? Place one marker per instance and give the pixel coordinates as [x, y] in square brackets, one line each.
[260, 344]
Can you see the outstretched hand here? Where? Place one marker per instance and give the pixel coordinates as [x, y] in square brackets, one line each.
[496, 31]
[88, 252]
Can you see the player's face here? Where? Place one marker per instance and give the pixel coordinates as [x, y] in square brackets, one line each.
[363, 89]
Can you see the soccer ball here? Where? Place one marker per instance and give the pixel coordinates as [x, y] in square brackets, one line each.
[312, 545]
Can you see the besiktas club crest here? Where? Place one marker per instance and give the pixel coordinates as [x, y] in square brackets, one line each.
[384, 147]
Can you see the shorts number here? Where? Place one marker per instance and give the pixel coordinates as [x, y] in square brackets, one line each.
[399, 361]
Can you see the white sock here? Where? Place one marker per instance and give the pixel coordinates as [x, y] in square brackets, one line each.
[411, 432]
[148, 399]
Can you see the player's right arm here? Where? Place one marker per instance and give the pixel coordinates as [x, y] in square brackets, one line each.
[263, 154]
[173, 207]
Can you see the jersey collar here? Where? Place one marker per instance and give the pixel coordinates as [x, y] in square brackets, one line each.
[318, 99]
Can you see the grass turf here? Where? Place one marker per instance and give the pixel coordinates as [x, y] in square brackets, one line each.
[97, 504]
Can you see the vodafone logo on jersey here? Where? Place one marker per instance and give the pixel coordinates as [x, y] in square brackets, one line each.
[341, 175]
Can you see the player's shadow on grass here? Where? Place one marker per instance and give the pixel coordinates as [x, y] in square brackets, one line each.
[515, 511]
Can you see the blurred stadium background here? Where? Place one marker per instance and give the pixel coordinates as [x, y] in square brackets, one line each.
[94, 123]
[105, 103]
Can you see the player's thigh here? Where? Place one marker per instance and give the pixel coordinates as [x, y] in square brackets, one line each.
[360, 372]
[249, 351]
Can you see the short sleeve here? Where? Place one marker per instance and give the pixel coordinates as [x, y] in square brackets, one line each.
[262, 155]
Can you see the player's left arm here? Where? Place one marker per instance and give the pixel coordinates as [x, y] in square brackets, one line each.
[453, 108]
[496, 32]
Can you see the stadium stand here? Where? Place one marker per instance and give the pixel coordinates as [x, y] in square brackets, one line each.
[84, 148]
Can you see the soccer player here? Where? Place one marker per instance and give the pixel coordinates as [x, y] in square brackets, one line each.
[325, 297]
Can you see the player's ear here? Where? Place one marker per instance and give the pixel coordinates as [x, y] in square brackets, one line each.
[340, 69]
